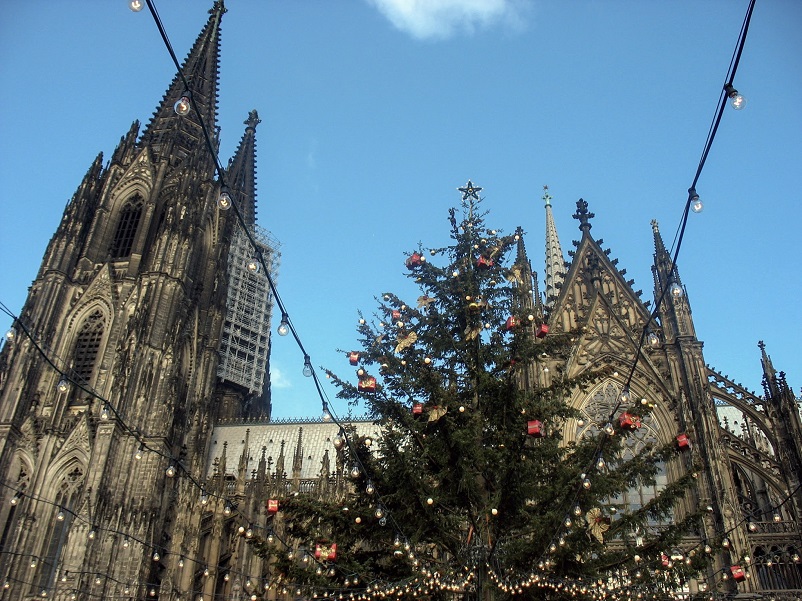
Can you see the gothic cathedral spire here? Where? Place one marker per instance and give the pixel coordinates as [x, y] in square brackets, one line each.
[177, 136]
[241, 170]
[555, 261]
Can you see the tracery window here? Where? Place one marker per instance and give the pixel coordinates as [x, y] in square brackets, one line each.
[66, 502]
[87, 347]
[127, 226]
[595, 413]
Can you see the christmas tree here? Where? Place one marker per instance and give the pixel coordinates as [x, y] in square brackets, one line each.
[472, 489]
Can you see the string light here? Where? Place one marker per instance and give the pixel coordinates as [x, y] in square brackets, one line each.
[284, 327]
[737, 100]
[136, 5]
[696, 202]
[182, 106]
[224, 201]
[152, 591]
[307, 371]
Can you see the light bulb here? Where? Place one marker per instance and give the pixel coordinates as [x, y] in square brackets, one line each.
[33, 563]
[91, 534]
[11, 334]
[180, 562]
[577, 510]
[608, 429]
[249, 533]
[284, 326]
[326, 415]
[586, 483]
[104, 413]
[307, 371]
[697, 205]
[355, 471]
[227, 509]
[60, 515]
[339, 441]
[737, 100]
[156, 556]
[676, 290]
[15, 499]
[170, 471]
[253, 266]
[600, 465]
[136, 5]
[126, 543]
[140, 451]
[63, 385]
[625, 395]
[652, 339]
[182, 106]
[204, 498]
[379, 512]
[224, 201]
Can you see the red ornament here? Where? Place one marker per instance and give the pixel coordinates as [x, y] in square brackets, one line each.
[683, 442]
[738, 573]
[272, 506]
[535, 428]
[417, 409]
[627, 421]
[367, 384]
[484, 262]
[415, 260]
[396, 314]
[326, 552]
[664, 560]
[542, 330]
[353, 357]
[512, 322]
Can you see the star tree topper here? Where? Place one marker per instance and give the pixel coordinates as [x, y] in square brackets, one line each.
[469, 191]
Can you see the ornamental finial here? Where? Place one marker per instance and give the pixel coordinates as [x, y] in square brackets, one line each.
[583, 215]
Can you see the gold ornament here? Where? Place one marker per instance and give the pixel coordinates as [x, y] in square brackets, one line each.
[436, 413]
[472, 332]
[405, 342]
[515, 274]
[598, 524]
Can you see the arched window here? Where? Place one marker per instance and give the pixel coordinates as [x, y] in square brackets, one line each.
[66, 502]
[595, 413]
[87, 347]
[126, 228]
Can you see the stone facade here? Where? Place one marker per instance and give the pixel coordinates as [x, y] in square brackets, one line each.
[129, 306]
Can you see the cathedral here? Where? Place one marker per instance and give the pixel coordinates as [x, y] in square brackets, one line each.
[137, 451]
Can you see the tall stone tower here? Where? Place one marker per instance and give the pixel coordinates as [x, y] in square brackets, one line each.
[117, 371]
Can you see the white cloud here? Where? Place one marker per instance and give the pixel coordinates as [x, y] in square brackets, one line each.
[278, 379]
[438, 19]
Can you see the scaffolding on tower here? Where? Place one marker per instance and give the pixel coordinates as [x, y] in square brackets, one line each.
[245, 342]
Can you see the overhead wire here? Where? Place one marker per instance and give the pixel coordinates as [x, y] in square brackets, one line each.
[285, 316]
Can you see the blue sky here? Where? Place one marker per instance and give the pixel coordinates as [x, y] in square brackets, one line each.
[374, 111]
